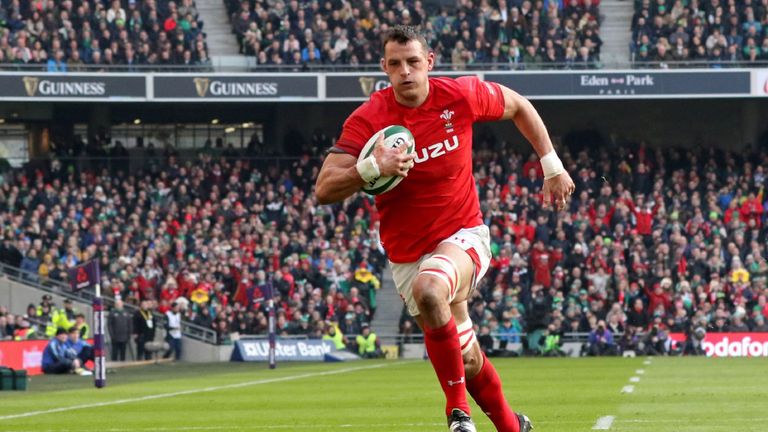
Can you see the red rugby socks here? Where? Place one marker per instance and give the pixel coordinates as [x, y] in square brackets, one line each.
[486, 389]
[445, 354]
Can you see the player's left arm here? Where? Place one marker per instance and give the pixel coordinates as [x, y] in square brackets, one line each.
[558, 185]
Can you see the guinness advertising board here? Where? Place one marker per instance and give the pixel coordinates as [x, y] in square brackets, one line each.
[235, 87]
[72, 87]
[637, 84]
[346, 86]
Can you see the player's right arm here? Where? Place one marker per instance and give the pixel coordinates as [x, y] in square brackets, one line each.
[340, 177]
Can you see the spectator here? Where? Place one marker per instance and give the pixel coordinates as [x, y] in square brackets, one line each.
[173, 332]
[509, 332]
[144, 330]
[696, 40]
[57, 63]
[673, 220]
[760, 325]
[50, 34]
[349, 34]
[119, 324]
[23, 330]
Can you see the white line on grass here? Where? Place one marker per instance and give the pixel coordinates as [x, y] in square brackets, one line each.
[249, 427]
[604, 423]
[193, 391]
[291, 426]
[634, 379]
[640, 371]
[628, 389]
[647, 362]
[720, 421]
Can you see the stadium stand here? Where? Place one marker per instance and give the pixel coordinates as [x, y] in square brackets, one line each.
[488, 35]
[686, 34]
[61, 36]
[208, 232]
[667, 239]
[664, 237]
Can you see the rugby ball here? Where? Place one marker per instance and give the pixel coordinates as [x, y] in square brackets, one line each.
[394, 136]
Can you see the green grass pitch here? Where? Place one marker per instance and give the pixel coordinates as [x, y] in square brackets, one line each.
[560, 395]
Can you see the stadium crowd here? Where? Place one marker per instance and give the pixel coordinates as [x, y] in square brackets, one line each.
[68, 35]
[500, 35]
[210, 234]
[717, 32]
[654, 241]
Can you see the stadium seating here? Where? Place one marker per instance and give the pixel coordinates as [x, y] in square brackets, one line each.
[669, 34]
[510, 35]
[93, 35]
[210, 233]
[682, 232]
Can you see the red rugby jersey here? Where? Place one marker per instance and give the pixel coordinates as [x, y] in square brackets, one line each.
[439, 196]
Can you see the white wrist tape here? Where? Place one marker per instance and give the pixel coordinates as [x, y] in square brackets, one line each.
[552, 165]
[368, 169]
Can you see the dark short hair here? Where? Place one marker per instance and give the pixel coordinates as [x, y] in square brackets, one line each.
[403, 34]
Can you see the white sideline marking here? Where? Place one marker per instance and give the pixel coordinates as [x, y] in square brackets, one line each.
[628, 389]
[640, 371]
[604, 423]
[192, 391]
[726, 421]
[647, 362]
[634, 379]
[723, 421]
[279, 426]
[249, 427]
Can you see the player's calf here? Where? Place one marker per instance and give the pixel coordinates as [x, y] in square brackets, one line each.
[470, 350]
[486, 390]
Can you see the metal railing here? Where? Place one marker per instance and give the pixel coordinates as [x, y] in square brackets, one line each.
[697, 64]
[112, 68]
[62, 289]
[419, 338]
[250, 66]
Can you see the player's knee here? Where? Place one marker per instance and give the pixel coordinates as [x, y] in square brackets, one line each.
[436, 283]
[429, 294]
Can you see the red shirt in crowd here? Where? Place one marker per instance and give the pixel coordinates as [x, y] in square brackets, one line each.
[543, 262]
[658, 298]
[643, 216]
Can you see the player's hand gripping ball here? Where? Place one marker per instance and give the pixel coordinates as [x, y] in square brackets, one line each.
[393, 137]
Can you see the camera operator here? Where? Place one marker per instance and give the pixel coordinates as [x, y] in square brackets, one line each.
[694, 338]
[655, 340]
[601, 341]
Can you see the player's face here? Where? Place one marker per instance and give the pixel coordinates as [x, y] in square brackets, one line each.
[407, 66]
